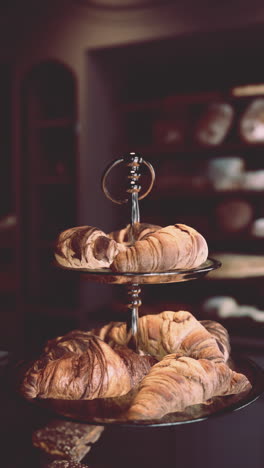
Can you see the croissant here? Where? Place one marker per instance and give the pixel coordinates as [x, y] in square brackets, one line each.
[82, 366]
[184, 364]
[169, 248]
[170, 332]
[154, 249]
[176, 382]
[86, 247]
[89, 247]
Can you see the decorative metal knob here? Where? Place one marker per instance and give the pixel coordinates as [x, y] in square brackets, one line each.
[133, 161]
[135, 299]
[134, 291]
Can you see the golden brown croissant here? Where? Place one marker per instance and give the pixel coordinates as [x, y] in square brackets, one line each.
[192, 367]
[89, 247]
[170, 332]
[169, 248]
[154, 249]
[82, 366]
[178, 382]
[86, 247]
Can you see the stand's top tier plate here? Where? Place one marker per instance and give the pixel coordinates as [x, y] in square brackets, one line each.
[105, 275]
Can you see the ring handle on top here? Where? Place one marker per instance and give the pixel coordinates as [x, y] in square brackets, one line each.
[133, 161]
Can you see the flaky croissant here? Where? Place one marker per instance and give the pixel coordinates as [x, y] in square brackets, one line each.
[175, 383]
[155, 249]
[82, 366]
[170, 332]
[184, 364]
[86, 247]
[169, 248]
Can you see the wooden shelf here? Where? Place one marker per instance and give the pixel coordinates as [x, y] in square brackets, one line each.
[163, 194]
[238, 243]
[153, 121]
[237, 266]
[169, 102]
[203, 152]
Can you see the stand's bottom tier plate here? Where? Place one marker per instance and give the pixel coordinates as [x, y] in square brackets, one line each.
[110, 411]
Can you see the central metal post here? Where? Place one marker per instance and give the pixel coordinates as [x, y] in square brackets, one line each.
[133, 161]
[134, 291]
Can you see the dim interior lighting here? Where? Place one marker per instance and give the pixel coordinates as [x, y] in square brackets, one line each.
[248, 90]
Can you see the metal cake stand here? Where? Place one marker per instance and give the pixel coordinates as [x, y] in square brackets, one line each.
[133, 280]
[110, 411]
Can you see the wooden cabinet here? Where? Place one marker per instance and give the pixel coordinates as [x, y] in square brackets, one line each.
[202, 177]
[210, 175]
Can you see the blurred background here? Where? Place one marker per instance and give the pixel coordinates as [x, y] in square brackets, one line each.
[83, 82]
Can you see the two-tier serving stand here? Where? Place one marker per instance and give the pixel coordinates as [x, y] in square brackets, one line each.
[112, 410]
